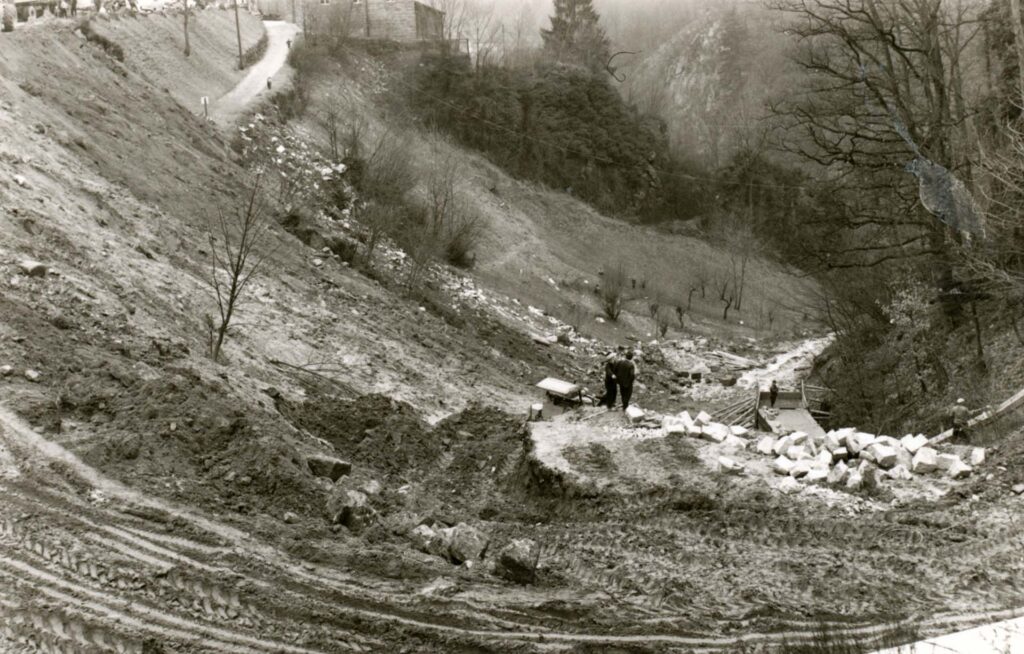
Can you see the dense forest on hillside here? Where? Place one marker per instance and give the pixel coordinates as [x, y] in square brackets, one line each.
[875, 145]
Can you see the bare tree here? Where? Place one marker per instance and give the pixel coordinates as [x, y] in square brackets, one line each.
[238, 33]
[234, 242]
[613, 285]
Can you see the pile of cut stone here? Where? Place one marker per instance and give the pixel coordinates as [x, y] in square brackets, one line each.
[845, 457]
[701, 426]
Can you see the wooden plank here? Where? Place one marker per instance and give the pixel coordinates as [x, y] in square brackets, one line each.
[559, 387]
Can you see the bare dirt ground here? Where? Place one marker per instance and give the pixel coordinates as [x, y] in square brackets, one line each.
[144, 489]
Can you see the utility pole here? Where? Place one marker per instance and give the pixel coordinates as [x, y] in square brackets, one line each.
[238, 33]
[293, 12]
[366, 9]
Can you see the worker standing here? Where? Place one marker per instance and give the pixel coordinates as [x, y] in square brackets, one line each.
[625, 373]
[773, 393]
[610, 363]
[960, 415]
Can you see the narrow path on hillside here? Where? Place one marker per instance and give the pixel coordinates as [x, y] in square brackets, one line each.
[228, 107]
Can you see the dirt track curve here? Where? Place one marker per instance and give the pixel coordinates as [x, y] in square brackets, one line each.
[88, 563]
[227, 108]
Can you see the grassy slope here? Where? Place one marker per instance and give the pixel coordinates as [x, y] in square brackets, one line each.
[211, 70]
[534, 235]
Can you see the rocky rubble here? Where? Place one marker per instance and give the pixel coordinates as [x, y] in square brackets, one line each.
[848, 458]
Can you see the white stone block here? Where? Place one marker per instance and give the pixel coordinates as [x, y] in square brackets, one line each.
[840, 454]
[739, 430]
[782, 466]
[634, 414]
[730, 466]
[884, 455]
[798, 437]
[800, 469]
[766, 445]
[823, 459]
[899, 472]
[797, 452]
[735, 442]
[914, 443]
[702, 418]
[977, 456]
[831, 442]
[946, 461]
[782, 445]
[926, 460]
[854, 480]
[959, 470]
[816, 475]
[790, 486]
[838, 474]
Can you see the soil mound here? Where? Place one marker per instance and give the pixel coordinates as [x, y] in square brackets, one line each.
[372, 431]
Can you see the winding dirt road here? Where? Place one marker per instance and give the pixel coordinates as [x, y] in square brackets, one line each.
[231, 105]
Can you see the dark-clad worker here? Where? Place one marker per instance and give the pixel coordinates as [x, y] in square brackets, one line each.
[625, 373]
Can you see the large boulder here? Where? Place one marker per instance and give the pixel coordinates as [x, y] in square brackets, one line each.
[977, 456]
[735, 443]
[465, 543]
[634, 414]
[328, 467]
[899, 472]
[518, 560]
[798, 452]
[947, 461]
[800, 469]
[33, 268]
[816, 475]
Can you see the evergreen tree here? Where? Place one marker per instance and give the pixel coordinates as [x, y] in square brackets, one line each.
[575, 36]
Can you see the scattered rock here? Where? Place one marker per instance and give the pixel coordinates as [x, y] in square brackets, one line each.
[290, 518]
[900, 472]
[427, 539]
[328, 467]
[730, 466]
[838, 474]
[765, 445]
[790, 486]
[854, 480]
[946, 461]
[800, 469]
[634, 414]
[816, 475]
[518, 560]
[739, 430]
[6, 371]
[977, 456]
[735, 442]
[466, 543]
[372, 487]
[958, 470]
[1018, 489]
[33, 268]
[350, 508]
[32, 375]
[21, 181]
[783, 466]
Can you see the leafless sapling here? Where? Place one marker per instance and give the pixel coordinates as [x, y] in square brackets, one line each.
[234, 243]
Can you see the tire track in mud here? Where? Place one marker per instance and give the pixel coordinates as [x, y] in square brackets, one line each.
[148, 549]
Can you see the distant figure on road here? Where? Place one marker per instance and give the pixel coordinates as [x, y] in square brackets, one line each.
[625, 373]
[773, 393]
[959, 415]
[288, 43]
[268, 83]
